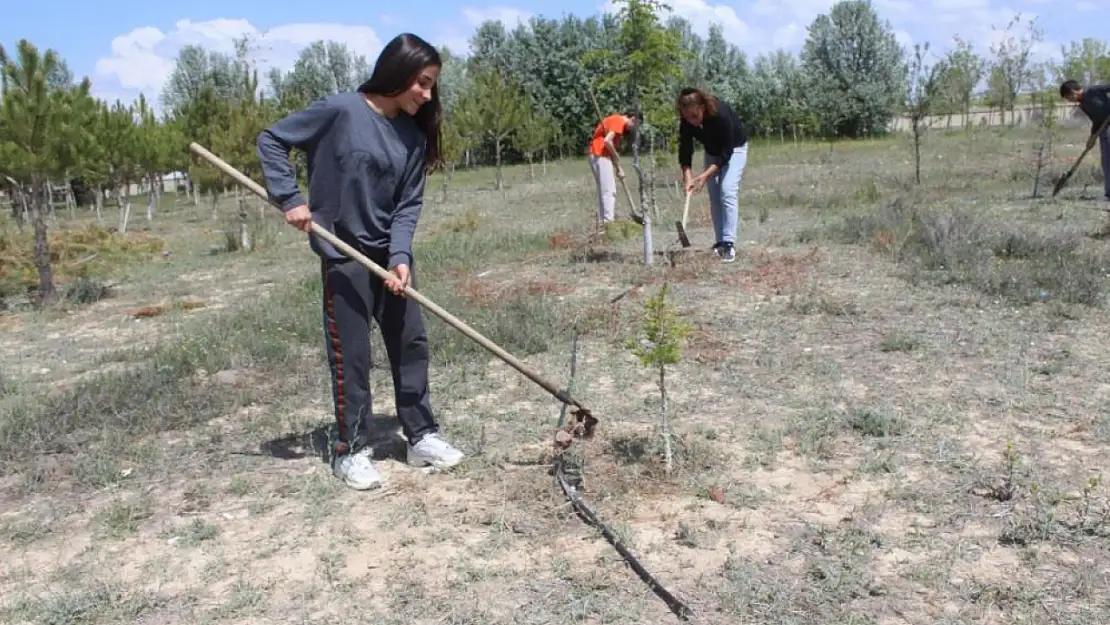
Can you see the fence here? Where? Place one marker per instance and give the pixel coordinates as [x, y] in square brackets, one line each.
[1021, 116]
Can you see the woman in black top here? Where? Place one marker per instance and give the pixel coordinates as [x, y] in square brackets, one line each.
[712, 122]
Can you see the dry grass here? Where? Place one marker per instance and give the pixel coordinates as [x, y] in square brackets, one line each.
[891, 411]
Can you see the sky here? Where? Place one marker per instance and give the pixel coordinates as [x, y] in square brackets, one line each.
[130, 48]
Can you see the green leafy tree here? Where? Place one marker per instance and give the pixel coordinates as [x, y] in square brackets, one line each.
[657, 344]
[963, 69]
[323, 68]
[856, 69]
[92, 169]
[454, 145]
[923, 93]
[1087, 61]
[197, 68]
[645, 55]
[150, 153]
[492, 108]
[1012, 69]
[203, 119]
[533, 137]
[240, 124]
[120, 146]
[41, 135]
[778, 97]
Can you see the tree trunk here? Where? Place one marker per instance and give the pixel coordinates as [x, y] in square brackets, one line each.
[447, 171]
[100, 206]
[124, 203]
[244, 228]
[917, 130]
[215, 204]
[151, 198]
[50, 199]
[497, 156]
[42, 245]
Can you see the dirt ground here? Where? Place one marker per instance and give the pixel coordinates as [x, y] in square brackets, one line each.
[854, 443]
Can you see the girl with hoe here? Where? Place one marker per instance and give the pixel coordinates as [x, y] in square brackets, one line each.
[368, 153]
[712, 122]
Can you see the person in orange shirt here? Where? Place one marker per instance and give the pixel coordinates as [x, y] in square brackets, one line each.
[605, 144]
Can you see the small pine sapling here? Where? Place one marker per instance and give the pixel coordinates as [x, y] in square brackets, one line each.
[658, 343]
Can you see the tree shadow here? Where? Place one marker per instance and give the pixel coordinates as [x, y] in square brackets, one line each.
[384, 436]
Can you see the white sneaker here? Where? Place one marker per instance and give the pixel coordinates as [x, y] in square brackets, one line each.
[433, 450]
[357, 470]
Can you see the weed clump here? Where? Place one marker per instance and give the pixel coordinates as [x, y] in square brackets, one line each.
[87, 252]
[1018, 264]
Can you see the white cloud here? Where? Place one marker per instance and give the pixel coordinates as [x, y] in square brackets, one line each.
[456, 34]
[789, 36]
[702, 14]
[509, 16]
[797, 10]
[904, 39]
[142, 60]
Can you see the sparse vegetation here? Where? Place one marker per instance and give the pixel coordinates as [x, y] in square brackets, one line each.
[891, 406]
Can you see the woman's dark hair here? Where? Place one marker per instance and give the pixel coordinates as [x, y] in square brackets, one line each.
[634, 119]
[398, 65]
[692, 96]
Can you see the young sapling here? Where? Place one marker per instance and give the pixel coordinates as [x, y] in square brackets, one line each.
[658, 343]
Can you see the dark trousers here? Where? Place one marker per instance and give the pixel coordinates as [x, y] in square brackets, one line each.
[351, 296]
[1104, 149]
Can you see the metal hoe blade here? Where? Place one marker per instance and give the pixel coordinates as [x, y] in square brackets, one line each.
[681, 225]
[1090, 144]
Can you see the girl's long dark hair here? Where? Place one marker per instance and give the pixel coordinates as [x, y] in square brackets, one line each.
[398, 65]
[692, 96]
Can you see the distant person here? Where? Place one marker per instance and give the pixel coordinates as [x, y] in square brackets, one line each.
[368, 153]
[603, 147]
[712, 122]
[1094, 101]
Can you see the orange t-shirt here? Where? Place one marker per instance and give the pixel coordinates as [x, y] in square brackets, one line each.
[613, 123]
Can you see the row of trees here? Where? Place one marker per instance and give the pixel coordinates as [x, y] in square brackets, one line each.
[529, 92]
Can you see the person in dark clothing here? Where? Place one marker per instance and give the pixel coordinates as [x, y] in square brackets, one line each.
[711, 121]
[368, 152]
[1094, 101]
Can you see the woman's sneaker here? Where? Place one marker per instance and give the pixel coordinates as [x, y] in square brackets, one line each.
[726, 251]
[357, 470]
[433, 450]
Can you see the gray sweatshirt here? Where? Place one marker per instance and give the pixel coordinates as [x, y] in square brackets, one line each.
[366, 173]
